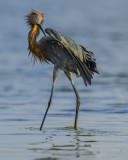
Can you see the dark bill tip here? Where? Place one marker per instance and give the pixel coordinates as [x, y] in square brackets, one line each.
[41, 29]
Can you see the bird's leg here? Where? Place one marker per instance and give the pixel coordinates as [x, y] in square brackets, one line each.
[69, 75]
[55, 76]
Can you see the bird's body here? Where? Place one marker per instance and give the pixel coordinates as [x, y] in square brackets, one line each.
[63, 52]
[57, 54]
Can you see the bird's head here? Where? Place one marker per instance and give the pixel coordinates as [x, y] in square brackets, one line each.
[35, 18]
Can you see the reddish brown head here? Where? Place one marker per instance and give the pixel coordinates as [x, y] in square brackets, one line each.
[34, 18]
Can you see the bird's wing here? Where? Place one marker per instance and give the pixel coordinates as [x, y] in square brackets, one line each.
[66, 42]
[76, 52]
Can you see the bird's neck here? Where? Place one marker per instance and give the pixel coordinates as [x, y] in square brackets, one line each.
[34, 47]
[33, 44]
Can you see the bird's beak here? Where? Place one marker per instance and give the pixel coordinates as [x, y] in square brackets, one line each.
[41, 28]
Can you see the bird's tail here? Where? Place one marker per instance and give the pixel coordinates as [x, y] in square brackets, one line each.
[89, 65]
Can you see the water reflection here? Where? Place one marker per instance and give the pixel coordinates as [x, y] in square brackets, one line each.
[74, 144]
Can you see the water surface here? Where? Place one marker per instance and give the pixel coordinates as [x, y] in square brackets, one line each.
[24, 90]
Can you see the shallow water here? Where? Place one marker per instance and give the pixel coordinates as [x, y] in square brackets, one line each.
[24, 90]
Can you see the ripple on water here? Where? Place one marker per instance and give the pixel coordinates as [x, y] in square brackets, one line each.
[77, 143]
[24, 90]
[4, 107]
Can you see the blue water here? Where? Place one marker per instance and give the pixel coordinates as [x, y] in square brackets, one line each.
[102, 27]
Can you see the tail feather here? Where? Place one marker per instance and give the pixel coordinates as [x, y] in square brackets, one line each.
[85, 73]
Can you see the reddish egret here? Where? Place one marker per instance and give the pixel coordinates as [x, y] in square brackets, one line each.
[63, 52]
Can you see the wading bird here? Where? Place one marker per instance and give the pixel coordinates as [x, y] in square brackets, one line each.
[63, 52]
